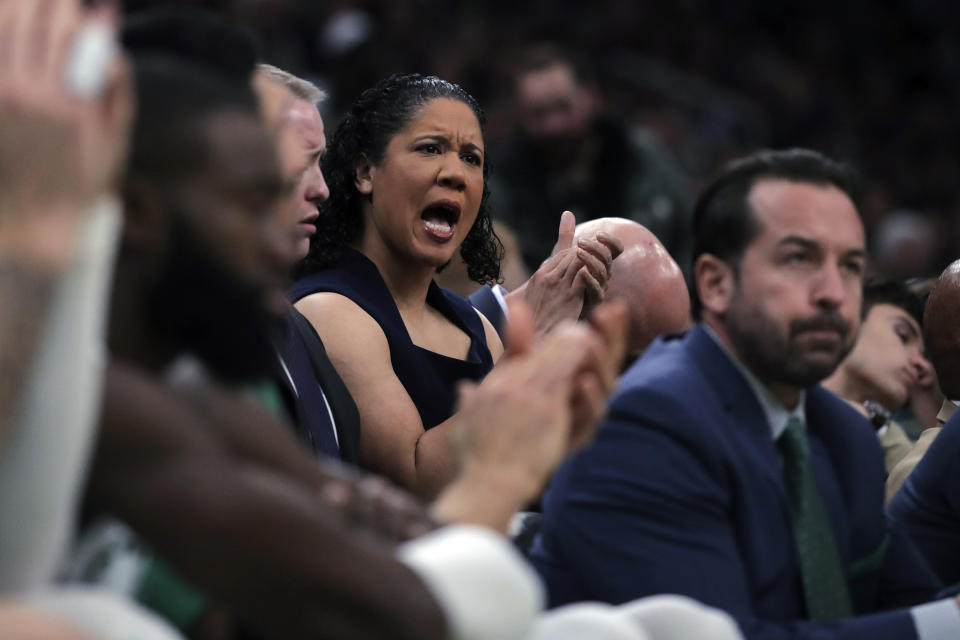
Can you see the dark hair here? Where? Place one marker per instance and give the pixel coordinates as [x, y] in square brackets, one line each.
[194, 36]
[188, 66]
[724, 225]
[879, 290]
[539, 56]
[377, 115]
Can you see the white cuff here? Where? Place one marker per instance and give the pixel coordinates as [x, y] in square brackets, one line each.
[586, 621]
[936, 620]
[669, 617]
[484, 586]
[102, 614]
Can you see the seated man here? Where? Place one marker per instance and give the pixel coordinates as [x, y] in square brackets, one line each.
[723, 472]
[886, 364]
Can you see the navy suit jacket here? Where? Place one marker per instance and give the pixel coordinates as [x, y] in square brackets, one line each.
[315, 377]
[927, 507]
[485, 301]
[682, 492]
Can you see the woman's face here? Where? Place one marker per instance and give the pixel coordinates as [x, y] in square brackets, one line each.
[426, 191]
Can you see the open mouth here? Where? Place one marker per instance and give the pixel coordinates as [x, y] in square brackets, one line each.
[440, 219]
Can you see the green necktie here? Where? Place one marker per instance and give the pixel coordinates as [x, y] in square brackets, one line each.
[824, 584]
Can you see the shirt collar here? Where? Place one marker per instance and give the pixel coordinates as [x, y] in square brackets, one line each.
[777, 415]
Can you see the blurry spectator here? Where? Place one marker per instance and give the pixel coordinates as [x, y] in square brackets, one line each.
[647, 279]
[568, 154]
[904, 245]
[886, 364]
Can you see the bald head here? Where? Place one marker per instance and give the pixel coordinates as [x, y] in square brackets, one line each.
[941, 332]
[647, 279]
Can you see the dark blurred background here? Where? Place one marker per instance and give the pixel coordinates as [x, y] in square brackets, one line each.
[872, 83]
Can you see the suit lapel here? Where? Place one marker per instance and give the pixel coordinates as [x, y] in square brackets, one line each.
[744, 418]
[344, 409]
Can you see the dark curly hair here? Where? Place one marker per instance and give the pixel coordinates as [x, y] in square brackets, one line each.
[373, 120]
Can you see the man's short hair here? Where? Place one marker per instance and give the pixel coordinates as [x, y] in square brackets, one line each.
[540, 56]
[302, 89]
[724, 225]
[880, 290]
[188, 66]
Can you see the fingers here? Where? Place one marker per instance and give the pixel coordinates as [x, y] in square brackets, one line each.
[8, 14]
[520, 329]
[613, 243]
[64, 22]
[596, 256]
[568, 225]
[592, 286]
[610, 322]
[560, 355]
[26, 32]
[590, 401]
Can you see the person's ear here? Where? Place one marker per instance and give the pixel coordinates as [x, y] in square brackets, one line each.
[715, 282]
[145, 222]
[363, 176]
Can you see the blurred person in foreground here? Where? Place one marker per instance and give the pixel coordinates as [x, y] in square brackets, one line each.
[407, 173]
[724, 472]
[887, 363]
[64, 120]
[569, 154]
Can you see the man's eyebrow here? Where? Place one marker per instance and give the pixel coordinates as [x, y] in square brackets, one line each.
[806, 243]
[810, 244]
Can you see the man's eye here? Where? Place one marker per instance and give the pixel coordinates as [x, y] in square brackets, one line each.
[797, 258]
[854, 267]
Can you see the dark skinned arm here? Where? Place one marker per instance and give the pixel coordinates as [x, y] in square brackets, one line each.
[288, 564]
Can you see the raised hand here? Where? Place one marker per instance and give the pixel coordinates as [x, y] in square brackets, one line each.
[572, 281]
[538, 404]
[59, 150]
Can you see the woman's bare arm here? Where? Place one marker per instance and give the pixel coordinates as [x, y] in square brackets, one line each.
[393, 441]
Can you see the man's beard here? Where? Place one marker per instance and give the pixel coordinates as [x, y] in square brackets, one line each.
[208, 311]
[775, 358]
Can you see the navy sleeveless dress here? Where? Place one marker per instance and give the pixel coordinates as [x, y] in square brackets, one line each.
[429, 378]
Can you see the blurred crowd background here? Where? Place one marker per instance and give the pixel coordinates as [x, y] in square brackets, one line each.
[872, 83]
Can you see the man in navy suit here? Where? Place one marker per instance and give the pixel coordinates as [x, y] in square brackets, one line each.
[723, 471]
